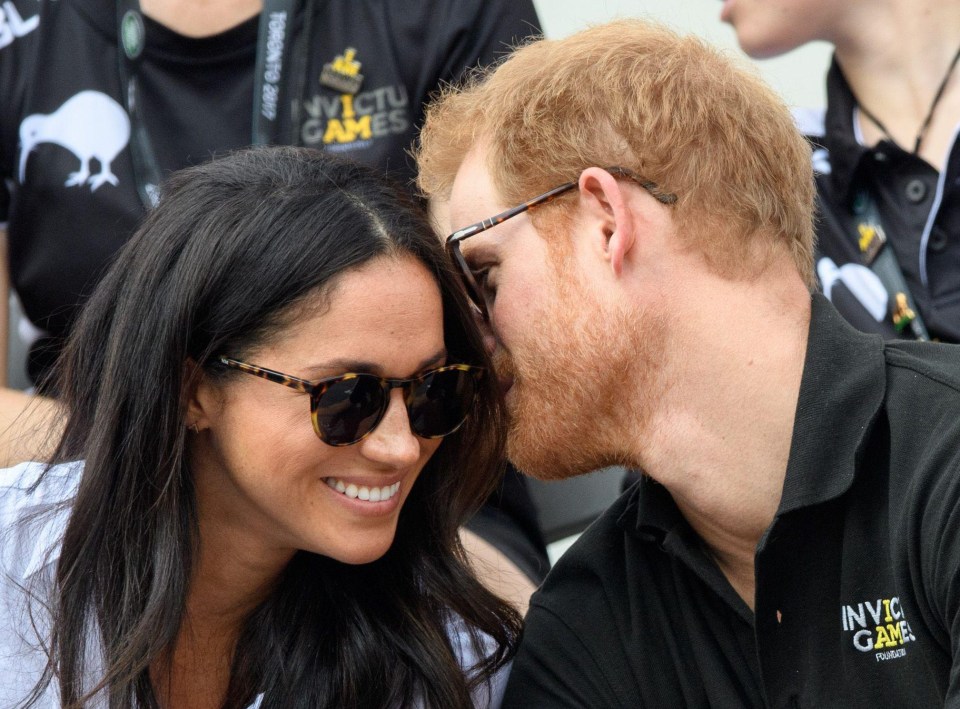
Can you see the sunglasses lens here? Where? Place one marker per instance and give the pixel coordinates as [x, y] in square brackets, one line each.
[440, 402]
[349, 408]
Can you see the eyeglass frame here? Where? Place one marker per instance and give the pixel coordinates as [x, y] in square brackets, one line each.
[452, 242]
[305, 386]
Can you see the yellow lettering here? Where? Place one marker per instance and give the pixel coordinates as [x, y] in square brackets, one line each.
[347, 130]
[883, 640]
[895, 633]
[345, 64]
[348, 111]
[359, 128]
[334, 132]
[886, 606]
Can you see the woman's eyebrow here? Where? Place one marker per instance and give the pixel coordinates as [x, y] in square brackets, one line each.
[347, 364]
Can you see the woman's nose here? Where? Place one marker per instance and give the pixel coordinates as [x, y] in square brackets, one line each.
[393, 442]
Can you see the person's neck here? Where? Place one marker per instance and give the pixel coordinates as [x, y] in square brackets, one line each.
[720, 439]
[232, 574]
[894, 56]
[200, 18]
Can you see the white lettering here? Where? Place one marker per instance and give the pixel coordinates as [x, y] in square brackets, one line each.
[858, 616]
[895, 610]
[863, 640]
[891, 654]
[271, 94]
[276, 31]
[312, 131]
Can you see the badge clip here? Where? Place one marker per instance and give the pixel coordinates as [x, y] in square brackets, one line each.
[132, 34]
[871, 241]
[903, 314]
[343, 73]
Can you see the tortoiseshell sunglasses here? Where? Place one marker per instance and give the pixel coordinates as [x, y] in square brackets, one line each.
[346, 409]
[474, 289]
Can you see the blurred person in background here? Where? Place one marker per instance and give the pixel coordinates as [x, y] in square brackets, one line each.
[885, 151]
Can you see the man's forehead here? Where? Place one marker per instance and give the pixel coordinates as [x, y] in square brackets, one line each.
[473, 195]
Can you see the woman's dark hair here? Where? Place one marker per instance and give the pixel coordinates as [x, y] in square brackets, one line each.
[224, 261]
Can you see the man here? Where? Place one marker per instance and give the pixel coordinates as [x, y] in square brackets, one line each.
[793, 542]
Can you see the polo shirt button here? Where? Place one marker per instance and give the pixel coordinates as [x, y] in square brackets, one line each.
[880, 156]
[938, 240]
[916, 190]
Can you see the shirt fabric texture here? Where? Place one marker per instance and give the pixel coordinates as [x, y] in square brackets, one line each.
[32, 522]
[919, 209]
[857, 578]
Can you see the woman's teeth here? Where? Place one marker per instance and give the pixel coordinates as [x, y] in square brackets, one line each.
[362, 492]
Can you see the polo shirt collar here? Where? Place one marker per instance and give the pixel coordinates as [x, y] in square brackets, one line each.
[841, 394]
[846, 152]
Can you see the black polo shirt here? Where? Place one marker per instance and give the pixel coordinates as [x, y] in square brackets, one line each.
[919, 209]
[857, 578]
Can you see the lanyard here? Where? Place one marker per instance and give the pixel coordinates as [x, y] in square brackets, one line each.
[278, 78]
[879, 256]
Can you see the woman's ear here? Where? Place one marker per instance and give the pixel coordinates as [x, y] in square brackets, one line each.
[200, 395]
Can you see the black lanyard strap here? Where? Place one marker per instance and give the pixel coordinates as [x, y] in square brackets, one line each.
[880, 257]
[277, 81]
[274, 42]
[131, 38]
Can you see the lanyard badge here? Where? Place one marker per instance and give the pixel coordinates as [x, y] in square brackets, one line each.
[872, 242]
[343, 73]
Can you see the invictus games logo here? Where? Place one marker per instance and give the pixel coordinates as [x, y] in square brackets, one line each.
[353, 119]
[351, 122]
[878, 627]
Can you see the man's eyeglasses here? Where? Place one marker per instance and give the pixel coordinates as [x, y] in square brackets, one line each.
[346, 409]
[474, 291]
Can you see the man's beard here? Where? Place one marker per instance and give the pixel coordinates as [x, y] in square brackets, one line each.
[584, 386]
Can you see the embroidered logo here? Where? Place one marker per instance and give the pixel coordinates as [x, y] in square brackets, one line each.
[878, 627]
[12, 25]
[91, 125]
[351, 122]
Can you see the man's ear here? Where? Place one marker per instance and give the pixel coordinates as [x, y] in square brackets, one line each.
[201, 396]
[604, 205]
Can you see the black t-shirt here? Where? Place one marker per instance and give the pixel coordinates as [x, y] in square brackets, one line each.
[919, 210]
[857, 578]
[69, 198]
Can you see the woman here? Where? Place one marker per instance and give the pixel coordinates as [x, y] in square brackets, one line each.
[209, 550]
